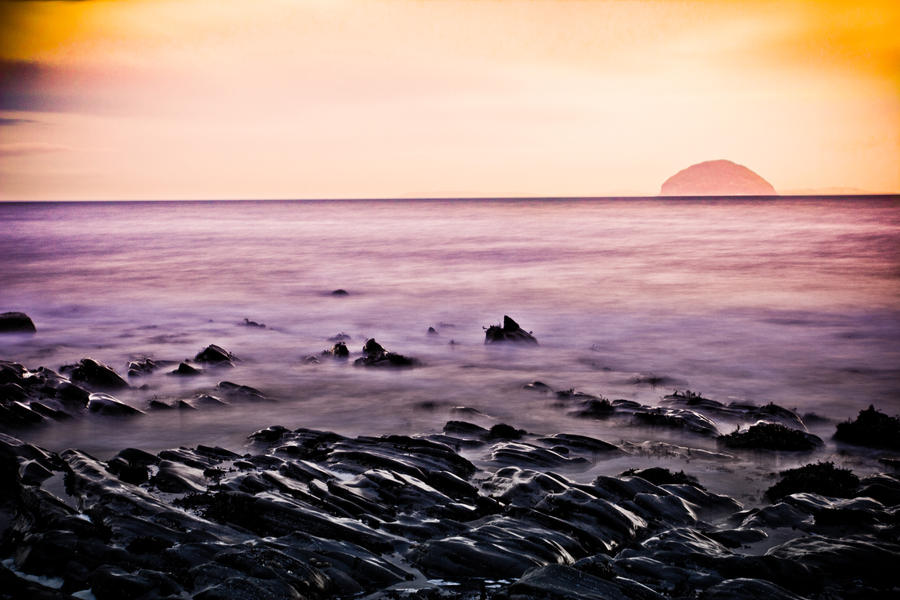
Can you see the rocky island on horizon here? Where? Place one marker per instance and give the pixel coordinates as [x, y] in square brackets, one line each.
[717, 178]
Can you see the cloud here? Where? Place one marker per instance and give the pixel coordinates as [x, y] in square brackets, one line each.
[25, 149]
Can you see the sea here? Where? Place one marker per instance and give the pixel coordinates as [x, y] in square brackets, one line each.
[794, 301]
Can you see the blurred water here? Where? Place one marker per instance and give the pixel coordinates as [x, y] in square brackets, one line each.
[791, 301]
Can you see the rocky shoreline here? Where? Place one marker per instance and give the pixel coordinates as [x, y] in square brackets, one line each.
[313, 514]
[468, 512]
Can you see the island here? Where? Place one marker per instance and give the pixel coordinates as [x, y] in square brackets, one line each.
[717, 178]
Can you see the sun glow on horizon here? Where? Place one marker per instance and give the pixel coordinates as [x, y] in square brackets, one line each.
[229, 99]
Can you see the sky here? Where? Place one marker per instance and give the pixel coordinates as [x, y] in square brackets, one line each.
[191, 99]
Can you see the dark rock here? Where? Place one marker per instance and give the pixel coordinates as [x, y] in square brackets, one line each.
[340, 337]
[562, 582]
[581, 443]
[432, 331]
[186, 369]
[95, 374]
[509, 331]
[142, 366]
[233, 392]
[747, 589]
[107, 405]
[661, 476]
[374, 355]
[339, 350]
[735, 538]
[340, 292]
[595, 408]
[248, 323]
[502, 431]
[538, 386]
[675, 418]
[16, 322]
[819, 478]
[871, 428]
[215, 355]
[771, 436]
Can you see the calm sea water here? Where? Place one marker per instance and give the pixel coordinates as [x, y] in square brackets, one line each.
[791, 301]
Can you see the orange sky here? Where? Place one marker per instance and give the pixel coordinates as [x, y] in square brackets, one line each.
[143, 99]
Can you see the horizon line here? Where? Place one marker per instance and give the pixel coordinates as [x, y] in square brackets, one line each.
[884, 195]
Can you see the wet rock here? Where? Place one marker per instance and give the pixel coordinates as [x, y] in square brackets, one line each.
[563, 582]
[176, 478]
[675, 418]
[661, 475]
[871, 428]
[340, 337]
[340, 292]
[374, 355]
[509, 331]
[747, 589]
[248, 323]
[735, 538]
[538, 386]
[339, 350]
[502, 431]
[236, 392]
[16, 322]
[771, 436]
[143, 366]
[107, 405]
[95, 374]
[503, 546]
[186, 370]
[595, 408]
[528, 455]
[581, 443]
[466, 429]
[819, 478]
[432, 331]
[216, 355]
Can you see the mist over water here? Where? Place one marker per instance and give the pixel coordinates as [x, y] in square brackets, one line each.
[795, 302]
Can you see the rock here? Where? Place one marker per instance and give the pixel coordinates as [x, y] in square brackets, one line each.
[215, 355]
[716, 178]
[771, 436]
[340, 337]
[95, 374]
[236, 392]
[661, 476]
[509, 331]
[185, 369]
[374, 355]
[339, 350]
[340, 292]
[107, 405]
[502, 431]
[871, 428]
[432, 331]
[538, 386]
[563, 582]
[16, 322]
[747, 589]
[142, 366]
[819, 478]
[675, 418]
[248, 323]
[595, 408]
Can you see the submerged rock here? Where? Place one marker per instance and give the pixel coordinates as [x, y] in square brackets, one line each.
[16, 322]
[248, 323]
[374, 355]
[340, 292]
[215, 355]
[185, 369]
[509, 331]
[871, 428]
[95, 374]
[105, 404]
[771, 436]
[819, 478]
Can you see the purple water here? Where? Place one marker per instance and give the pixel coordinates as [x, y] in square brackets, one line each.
[793, 301]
